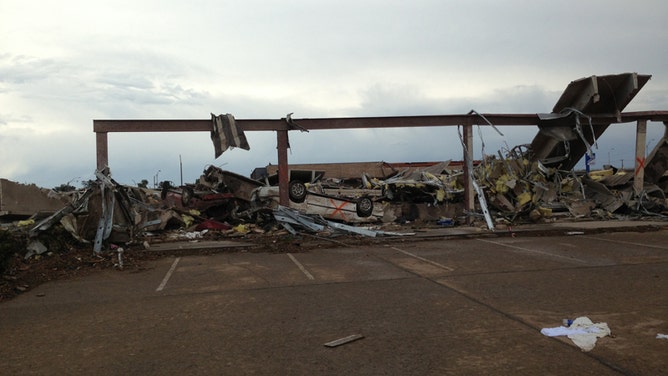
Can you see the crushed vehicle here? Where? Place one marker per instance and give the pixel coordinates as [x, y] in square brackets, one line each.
[433, 184]
[218, 194]
[226, 196]
[374, 199]
[312, 199]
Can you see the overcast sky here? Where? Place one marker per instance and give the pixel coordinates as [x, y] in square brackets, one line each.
[65, 63]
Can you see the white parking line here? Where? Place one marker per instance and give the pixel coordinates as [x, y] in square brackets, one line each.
[168, 275]
[572, 259]
[623, 242]
[301, 267]
[423, 259]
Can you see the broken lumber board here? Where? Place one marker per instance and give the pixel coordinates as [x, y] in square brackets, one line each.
[344, 340]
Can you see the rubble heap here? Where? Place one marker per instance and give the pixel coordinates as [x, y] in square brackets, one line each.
[517, 189]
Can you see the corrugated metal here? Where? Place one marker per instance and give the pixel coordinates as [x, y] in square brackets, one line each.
[616, 180]
[594, 95]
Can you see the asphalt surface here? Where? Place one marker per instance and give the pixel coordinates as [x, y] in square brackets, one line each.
[467, 305]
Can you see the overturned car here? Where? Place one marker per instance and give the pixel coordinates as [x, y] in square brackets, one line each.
[226, 196]
[313, 199]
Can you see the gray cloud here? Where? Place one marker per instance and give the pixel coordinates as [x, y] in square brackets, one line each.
[21, 69]
[391, 100]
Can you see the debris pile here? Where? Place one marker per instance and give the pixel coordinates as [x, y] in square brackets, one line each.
[523, 190]
[517, 188]
[520, 189]
[433, 185]
[112, 218]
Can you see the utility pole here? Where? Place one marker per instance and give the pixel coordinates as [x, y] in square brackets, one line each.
[181, 168]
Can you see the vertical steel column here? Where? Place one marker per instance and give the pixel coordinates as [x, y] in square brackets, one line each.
[639, 175]
[101, 150]
[469, 192]
[283, 183]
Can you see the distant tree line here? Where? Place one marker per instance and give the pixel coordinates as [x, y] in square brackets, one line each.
[68, 187]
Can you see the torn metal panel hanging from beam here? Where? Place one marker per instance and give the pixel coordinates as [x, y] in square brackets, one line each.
[227, 134]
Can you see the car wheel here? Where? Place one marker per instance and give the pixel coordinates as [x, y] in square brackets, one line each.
[364, 207]
[297, 191]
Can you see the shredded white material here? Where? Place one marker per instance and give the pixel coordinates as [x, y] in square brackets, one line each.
[583, 332]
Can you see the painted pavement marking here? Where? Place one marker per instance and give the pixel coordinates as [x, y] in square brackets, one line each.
[424, 259]
[623, 242]
[301, 267]
[168, 275]
[572, 259]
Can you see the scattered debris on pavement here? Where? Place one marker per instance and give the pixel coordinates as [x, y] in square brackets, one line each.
[291, 218]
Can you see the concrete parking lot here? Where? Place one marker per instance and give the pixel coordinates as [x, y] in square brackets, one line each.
[457, 307]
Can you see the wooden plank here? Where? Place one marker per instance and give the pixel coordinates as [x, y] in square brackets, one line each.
[344, 340]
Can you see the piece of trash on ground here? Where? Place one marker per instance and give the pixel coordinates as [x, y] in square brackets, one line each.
[582, 331]
[661, 336]
[344, 340]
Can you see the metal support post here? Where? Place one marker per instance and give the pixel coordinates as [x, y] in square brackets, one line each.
[639, 175]
[283, 183]
[102, 151]
[469, 191]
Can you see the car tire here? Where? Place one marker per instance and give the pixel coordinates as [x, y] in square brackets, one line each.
[297, 191]
[364, 207]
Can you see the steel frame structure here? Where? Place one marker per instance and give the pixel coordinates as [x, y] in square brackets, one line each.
[284, 125]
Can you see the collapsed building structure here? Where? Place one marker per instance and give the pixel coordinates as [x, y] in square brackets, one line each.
[533, 182]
